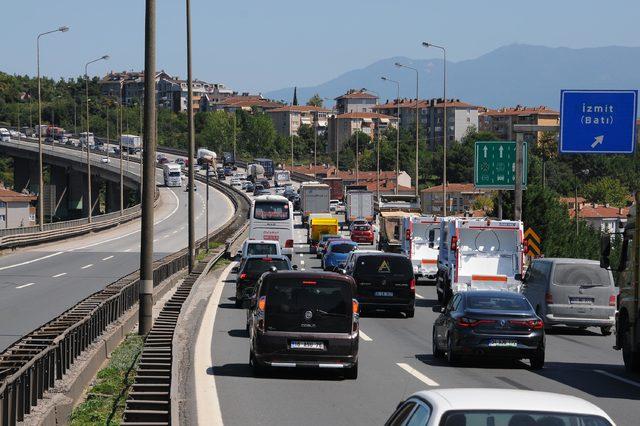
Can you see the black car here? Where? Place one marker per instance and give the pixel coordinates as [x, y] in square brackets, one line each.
[250, 270]
[256, 188]
[262, 192]
[384, 280]
[265, 183]
[250, 187]
[495, 323]
[304, 319]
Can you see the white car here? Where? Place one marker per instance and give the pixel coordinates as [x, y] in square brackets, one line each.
[512, 407]
[106, 159]
[279, 190]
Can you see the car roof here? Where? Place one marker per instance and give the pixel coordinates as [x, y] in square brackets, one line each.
[311, 275]
[379, 253]
[262, 242]
[270, 256]
[493, 293]
[508, 399]
[569, 260]
[342, 241]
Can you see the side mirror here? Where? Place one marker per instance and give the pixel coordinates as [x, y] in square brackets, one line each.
[294, 267]
[519, 277]
[235, 270]
[605, 251]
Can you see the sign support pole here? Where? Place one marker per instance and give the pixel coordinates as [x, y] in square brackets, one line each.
[518, 175]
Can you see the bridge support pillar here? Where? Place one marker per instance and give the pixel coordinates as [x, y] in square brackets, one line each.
[96, 195]
[59, 180]
[77, 189]
[25, 175]
[113, 197]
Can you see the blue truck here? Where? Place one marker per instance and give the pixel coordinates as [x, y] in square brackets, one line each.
[267, 163]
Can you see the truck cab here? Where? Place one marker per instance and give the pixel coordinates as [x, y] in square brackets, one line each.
[479, 254]
[420, 242]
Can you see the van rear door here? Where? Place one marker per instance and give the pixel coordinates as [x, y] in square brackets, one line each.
[383, 278]
[582, 290]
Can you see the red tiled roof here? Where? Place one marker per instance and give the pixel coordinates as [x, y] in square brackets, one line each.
[424, 103]
[520, 110]
[572, 200]
[601, 212]
[8, 196]
[249, 101]
[357, 94]
[454, 187]
[299, 108]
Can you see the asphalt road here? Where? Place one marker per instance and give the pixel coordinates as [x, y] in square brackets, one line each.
[395, 361]
[39, 283]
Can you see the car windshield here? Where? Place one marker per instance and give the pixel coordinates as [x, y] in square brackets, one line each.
[271, 210]
[327, 237]
[519, 418]
[342, 247]
[255, 267]
[261, 248]
[309, 305]
[582, 274]
[497, 303]
[174, 174]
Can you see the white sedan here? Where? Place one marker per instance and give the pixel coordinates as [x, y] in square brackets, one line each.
[499, 407]
[106, 159]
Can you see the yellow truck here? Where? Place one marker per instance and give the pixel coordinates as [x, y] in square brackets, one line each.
[320, 226]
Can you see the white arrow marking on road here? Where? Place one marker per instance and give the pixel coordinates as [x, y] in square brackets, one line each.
[501, 149]
[365, 337]
[485, 149]
[597, 141]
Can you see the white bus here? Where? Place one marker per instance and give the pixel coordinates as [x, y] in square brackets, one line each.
[272, 219]
[172, 172]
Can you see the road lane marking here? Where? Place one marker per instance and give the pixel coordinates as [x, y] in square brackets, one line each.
[87, 266]
[25, 285]
[418, 375]
[175, 232]
[365, 337]
[107, 258]
[31, 261]
[156, 240]
[302, 262]
[419, 297]
[59, 275]
[622, 379]
[127, 250]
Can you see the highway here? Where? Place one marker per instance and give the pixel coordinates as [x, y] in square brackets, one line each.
[39, 283]
[395, 360]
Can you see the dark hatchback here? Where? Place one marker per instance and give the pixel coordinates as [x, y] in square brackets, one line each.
[494, 323]
[304, 319]
[384, 281]
[250, 270]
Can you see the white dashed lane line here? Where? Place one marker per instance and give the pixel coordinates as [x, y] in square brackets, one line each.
[61, 274]
[365, 337]
[302, 262]
[622, 379]
[107, 258]
[127, 250]
[87, 266]
[418, 375]
[419, 297]
[25, 285]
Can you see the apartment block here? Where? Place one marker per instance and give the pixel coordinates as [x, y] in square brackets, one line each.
[343, 126]
[502, 121]
[356, 101]
[288, 119]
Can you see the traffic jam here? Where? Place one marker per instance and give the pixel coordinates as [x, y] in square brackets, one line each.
[319, 263]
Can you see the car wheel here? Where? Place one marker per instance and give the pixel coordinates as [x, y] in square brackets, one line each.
[437, 353]
[257, 369]
[410, 313]
[606, 331]
[452, 359]
[537, 360]
[630, 356]
[352, 372]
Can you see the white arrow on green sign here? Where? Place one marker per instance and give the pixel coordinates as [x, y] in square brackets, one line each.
[495, 165]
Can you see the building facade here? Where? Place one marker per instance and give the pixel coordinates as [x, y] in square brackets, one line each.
[288, 119]
[501, 121]
[460, 199]
[16, 209]
[342, 126]
[356, 101]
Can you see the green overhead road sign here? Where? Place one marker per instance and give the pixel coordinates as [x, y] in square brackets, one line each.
[495, 165]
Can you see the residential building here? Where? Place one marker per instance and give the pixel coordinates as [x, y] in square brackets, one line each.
[288, 119]
[366, 178]
[501, 121]
[356, 101]
[460, 198]
[460, 115]
[604, 218]
[342, 126]
[245, 102]
[16, 209]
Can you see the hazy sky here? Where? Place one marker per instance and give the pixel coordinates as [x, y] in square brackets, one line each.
[264, 45]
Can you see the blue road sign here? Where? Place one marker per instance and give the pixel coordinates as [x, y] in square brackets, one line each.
[598, 121]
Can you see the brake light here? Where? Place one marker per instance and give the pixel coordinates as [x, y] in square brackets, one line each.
[532, 324]
[288, 244]
[262, 303]
[243, 276]
[525, 246]
[465, 322]
[412, 285]
[267, 259]
[454, 243]
[355, 307]
[309, 282]
[407, 234]
[612, 300]
[548, 298]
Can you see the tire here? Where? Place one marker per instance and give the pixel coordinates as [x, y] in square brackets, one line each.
[351, 373]
[630, 356]
[452, 358]
[238, 302]
[257, 369]
[437, 352]
[537, 360]
[410, 313]
[606, 331]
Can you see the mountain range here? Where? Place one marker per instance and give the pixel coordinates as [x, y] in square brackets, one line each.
[516, 74]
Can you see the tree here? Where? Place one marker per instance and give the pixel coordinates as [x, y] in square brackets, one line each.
[606, 190]
[315, 101]
[484, 203]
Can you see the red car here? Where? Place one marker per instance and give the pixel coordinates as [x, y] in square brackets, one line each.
[362, 233]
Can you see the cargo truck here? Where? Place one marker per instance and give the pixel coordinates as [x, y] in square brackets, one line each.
[228, 159]
[281, 177]
[314, 198]
[172, 174]
[358, 205]
[628, 282]
[206, 156]
[389, 229]
[420, 242]
[267, 164]
[255, 172]
[131, 143]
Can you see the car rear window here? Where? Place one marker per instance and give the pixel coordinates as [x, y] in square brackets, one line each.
[256, 267]
[308, 305]
[497, 303]
[520, 417]
[379, 264]
[361, 228]
[342, 247]
[271, 210]
[261, 248]
[582, 274]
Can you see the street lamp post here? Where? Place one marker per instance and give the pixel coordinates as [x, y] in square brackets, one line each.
[86, 86]
[399, 65]
[397, 130]
[63, 29]
[446, 124]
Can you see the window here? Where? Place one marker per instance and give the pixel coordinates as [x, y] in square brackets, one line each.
[3, 218]
[271, 210]
[401, 414]
[3, 204]
[32, 217]
[420, 416]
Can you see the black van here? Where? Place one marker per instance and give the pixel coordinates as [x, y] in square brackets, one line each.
[304, 319]
[384, 281]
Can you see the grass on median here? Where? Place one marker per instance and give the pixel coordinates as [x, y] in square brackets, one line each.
[203, 253]
[105, 401]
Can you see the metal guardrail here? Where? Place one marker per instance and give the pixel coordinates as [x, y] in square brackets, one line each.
[30, 366]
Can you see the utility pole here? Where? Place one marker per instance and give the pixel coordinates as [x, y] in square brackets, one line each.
[119, 125]
[292, 152]
[234, 135]
[207, 207]
[357, 154]
[145, 318]
[518, 184]
[399, 65]
[315, 140]
[192, 147]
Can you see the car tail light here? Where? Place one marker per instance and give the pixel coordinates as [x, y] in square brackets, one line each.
[412, 285]
[548, 298]
[612, 300]
[532, 324]
[243, 276]
[309, 282]
[465, 322]
[454, 243]
[355, 307]
[525, 246]
[262, 303]
[407, 234]
[288, 244]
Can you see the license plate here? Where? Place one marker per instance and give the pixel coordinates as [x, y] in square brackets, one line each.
[581, 300]
[501, 343]
[383, 293]
[300, 344]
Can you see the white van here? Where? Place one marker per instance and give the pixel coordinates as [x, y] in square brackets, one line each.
[5, 135]
[420, 242]
[272, 219]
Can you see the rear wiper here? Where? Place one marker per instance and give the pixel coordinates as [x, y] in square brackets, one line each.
[328, 314]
